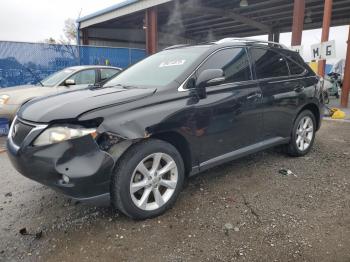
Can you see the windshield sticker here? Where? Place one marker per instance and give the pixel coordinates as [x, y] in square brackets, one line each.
[173, 63]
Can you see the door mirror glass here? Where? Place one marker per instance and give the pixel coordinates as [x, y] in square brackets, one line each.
[69, 82]
[210, 77]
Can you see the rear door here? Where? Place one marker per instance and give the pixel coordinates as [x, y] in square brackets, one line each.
[229, 117]
[281, 92]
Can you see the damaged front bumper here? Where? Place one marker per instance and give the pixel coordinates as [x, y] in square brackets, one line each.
[78, 167]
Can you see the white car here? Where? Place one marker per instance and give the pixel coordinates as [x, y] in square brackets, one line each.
[71, 78]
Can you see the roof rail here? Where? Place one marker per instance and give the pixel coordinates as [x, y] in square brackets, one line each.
[176, 46]
[248, 40]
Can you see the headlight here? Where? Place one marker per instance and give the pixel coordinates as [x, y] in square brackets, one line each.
[4, 99]
[60, 133]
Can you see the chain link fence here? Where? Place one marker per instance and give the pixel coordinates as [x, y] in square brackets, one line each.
[27, 63]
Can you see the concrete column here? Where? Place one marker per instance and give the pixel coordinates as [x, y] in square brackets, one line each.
[346, 80]
[151, 19]
[298, 22]
[327, 17]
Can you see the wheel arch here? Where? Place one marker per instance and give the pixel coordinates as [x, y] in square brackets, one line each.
[181, 144]
[315, 110]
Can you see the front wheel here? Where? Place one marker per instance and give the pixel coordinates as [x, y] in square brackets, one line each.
[303, 134]
[147, 180]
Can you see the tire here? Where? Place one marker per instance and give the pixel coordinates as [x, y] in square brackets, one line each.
[296, 147]
[131, 183]
[326, 99]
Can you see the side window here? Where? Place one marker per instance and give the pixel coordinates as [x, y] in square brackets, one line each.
[295, 69]
[107, 73]
[85, 77]
[234, 62]
[268, 63]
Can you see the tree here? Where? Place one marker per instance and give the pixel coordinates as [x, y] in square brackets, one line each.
[50, 41]
[69, 32]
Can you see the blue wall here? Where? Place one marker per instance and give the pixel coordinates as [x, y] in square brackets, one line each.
[26, 63]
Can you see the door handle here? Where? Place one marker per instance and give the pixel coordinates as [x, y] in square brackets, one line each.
[254, 96]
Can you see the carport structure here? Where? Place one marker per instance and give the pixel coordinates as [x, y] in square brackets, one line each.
[154, 24]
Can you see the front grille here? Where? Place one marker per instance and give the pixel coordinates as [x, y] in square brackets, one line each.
[20, 131]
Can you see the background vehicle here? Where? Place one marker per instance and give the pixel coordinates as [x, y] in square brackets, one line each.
[332, 86]
[172, 115]
[67, 79]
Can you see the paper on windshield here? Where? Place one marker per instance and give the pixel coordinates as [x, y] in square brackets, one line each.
[173, 63]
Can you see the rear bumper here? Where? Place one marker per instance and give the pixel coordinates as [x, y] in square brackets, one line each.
[81, 160]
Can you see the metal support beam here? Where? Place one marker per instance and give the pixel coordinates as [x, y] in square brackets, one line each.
[85, 36]
[151, 19]
[298, 21]
[346, 81]
[270, 37]
[327, 17]
[274, 36]
[229, 14]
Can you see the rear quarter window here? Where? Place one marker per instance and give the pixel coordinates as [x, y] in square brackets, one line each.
[107, 73]
[295, 69]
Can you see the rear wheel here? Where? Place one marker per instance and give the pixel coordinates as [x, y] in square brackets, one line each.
[303, 134]
[147, 180]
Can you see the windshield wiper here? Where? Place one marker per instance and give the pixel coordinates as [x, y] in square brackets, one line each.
[35, 76]
[123, 86]
[95, 86]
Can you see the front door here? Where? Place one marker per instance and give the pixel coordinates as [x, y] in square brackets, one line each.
[229, 117]
[82, 79]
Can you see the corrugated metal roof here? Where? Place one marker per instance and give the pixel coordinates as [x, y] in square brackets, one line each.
[199, 20]
[107, 10]
[122, 9]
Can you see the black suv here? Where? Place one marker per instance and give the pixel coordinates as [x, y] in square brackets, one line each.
[170, 116]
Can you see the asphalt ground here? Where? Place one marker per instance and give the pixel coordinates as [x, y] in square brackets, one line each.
[244, 210]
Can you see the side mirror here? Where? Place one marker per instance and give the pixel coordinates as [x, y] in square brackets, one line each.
[208, 77]
[69, 82]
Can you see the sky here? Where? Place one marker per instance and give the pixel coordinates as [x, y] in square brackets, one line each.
[36, 20]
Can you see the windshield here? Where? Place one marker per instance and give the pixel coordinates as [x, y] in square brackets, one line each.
[57, 78]
[160, 69]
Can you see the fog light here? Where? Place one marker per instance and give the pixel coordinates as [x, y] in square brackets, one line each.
[65, 179]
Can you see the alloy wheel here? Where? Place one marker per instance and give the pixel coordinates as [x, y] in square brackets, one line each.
[304, 133]
[154, 181]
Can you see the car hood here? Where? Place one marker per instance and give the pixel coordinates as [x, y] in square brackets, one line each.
[15, 90]
[20, 94]
[71, 105]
